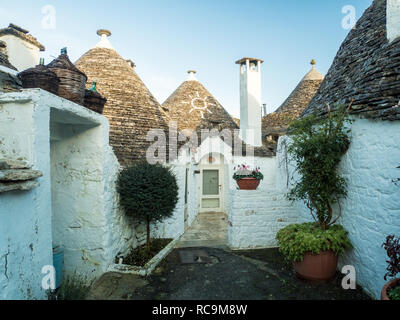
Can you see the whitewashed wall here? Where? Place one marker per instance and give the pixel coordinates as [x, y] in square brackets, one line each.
[256, 216]
[82, 215]
[25, 216]
[193, 202]
[21, 54]
[371, 210]
[175, 226]
[393, 18]
[86, 219]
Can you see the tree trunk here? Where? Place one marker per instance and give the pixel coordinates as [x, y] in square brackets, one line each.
[148, 235]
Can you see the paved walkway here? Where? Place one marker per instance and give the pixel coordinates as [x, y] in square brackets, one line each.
[208, 230]
[203, 268]
[224, 275]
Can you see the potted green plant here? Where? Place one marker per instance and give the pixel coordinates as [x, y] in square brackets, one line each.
[391, 290]
[316, 146]
[148, 193]
[247, 178]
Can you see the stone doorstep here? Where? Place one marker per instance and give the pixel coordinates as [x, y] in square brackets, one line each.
[19, 175]
[149, 267]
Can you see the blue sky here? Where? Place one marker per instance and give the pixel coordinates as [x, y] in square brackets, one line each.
[165, 38]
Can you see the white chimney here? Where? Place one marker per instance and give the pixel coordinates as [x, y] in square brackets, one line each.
[393, 19]
[250, 101]
[22, 48]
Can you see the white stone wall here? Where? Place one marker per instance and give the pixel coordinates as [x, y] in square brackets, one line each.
[256, 216]
[193, 197]
[371, 210]
[25, 216]
[393, 19]
[21, 54]
[69, 144]
[175, 226]
[86, 219]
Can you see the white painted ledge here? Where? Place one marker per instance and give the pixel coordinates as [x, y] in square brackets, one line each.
[149, 267]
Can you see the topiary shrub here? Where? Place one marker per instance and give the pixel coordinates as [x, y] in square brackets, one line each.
[148, 192]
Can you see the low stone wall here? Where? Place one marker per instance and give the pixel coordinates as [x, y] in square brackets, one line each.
[256, 216]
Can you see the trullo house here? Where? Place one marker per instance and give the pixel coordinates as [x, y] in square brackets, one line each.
[365, 72]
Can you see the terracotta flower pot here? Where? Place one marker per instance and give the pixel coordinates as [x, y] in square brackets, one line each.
[317, 268]
[389, 285]
[248, 183]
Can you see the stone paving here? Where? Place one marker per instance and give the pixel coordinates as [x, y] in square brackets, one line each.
[208, 230]
[226, 275]
[203, 268]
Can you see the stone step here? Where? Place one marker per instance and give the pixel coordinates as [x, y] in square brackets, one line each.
[19, 175]
[6, 164]
[18, 186]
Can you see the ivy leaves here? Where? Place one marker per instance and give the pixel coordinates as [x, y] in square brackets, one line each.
[317, 147]
[392, 247]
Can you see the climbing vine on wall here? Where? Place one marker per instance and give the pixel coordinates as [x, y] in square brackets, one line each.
[317, 146]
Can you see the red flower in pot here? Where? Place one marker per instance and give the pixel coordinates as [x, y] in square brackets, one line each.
[247, 178]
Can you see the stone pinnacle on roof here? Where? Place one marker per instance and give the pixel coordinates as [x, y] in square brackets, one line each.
[314, 74]
[131, 109]
[277, 123]
[191, 76]
[104, 42]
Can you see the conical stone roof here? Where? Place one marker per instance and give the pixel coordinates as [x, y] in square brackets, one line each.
[193, 107]
[131, 109]
[277, 122]
[365, 70]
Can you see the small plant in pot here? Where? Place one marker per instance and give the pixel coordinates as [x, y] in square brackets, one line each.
[391, 291]
[247, 178]
[148, 193]
[317, 146]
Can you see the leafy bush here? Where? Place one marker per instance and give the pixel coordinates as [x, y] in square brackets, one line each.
[317, 147]
[244, 171]
[392, 247]
[394, 294]
[297, 239]
[148, 192]
[73, 288]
